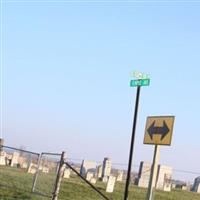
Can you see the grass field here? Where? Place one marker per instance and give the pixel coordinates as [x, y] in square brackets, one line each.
[16, 184]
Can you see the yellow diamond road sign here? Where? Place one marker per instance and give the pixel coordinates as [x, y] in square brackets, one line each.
[159, 130]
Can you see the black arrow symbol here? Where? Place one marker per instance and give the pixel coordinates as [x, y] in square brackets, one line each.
[156, 130]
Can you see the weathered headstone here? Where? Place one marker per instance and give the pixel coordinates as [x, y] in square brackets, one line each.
[89, 176]
[87, 166]
[24, 165]
[144, 174]
[40, 167]
[110, 184]
[196, 185]
[45, 170]
[32, 168]
[15, 158]
[2, 153]
[99, 171]
[167, 187]
[107, 165]
[21, 161]
[77, 168]
[173, 185]
[8, 158]
[164, 176]
[93, 180]
[105, 179]
[120, 175]
[67, 173]
[143, 182]
[198, 188]
[184, 187]
[1, 144]
[2, 158]
[32, 171]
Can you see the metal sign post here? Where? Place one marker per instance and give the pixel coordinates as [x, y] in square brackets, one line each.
[158, 132]
[141, 80]
[132, 144]
[154, 169]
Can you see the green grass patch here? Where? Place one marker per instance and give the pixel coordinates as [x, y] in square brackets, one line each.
[16, 184]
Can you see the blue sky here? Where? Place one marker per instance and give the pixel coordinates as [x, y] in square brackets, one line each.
[66, 73]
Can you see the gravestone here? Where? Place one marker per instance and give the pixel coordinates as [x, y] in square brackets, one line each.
[144, 174]
[184, 187]
[32, 168]
[24, 165]
[198, 188]
[105, 179]
[107, 165]
[1, 144]
[67, 173]
[77, 168]
[40, 167]
[89, 176]
[93, 180]
[120, 175]
[32, 171]
[21, 160]
[15, 158]
[99, 171]
[110, 184]
[45, 170]
[88, 166]
[164, 176]
[173, 185]
[167, 187]
[2, 158]
[196, 185]
[143, 182]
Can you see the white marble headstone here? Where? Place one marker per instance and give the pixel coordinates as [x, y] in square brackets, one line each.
[110, 184]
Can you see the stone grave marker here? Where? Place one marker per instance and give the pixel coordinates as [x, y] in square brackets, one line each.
[107, 166]
[105, 179]
[167, 187]
[144, 174]
[89, 176]
[99, 171]
[67, 173]
[45, 170]
[164, 176]
[15, 158]
[110, 184]
[88, 166]
[93, 180]
[2, 158]
[120, 175]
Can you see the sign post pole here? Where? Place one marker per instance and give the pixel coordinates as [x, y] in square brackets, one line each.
[141, 80]
[154, 169]
[158, 132]
[132, 144]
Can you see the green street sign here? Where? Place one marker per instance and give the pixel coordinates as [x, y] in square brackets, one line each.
[140, 82]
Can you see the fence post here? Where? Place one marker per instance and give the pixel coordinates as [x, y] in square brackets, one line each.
[59, 176]
[37, 172]
[1, 145]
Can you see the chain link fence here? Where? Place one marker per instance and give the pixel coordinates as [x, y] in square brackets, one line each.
[24, 172]
[17, 167]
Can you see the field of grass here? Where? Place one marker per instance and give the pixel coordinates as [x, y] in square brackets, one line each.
[16, 184]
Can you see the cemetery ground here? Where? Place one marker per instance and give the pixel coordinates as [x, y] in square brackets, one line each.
[16, 184]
